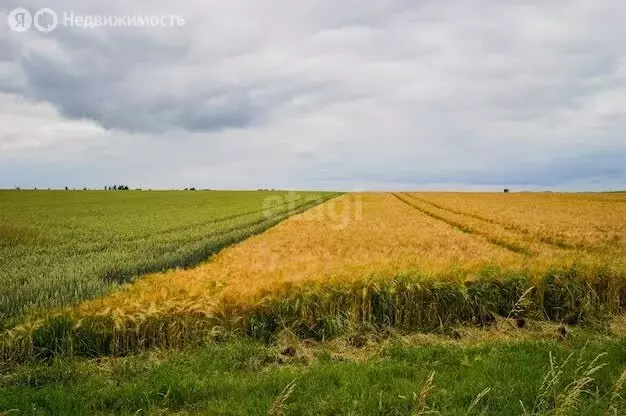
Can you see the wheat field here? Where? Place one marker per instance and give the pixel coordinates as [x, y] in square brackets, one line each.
[59, 248]
[384, 235]
[410, 260]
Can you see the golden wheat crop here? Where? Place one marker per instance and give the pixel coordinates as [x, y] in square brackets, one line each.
[362, 235]
[348, 238]
[592, 221]
[404, 259]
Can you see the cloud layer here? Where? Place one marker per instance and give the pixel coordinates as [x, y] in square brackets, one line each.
[319, 94]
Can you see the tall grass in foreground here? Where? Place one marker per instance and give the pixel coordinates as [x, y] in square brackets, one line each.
[241, 376]
[562, 392]
[322, 310]
[570, 296]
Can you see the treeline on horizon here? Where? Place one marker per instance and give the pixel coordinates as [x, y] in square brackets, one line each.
[106, 188]
[127, 188]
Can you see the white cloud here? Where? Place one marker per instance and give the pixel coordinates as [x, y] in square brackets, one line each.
[317, 93]
[28, 126]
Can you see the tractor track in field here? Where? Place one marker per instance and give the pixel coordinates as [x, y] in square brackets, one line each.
[469, 230]
[551, 241]
[100, 247]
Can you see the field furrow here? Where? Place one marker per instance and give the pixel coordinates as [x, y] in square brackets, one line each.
[581, 221]
[508, 244]
[508, 237]
[522, 231]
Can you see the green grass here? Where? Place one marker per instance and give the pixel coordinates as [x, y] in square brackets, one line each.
[244, 377]
[60, 247]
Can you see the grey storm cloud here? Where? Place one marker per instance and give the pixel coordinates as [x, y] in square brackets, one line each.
[92, 83]
[319, 92]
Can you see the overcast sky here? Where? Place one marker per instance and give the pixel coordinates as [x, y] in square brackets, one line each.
[349, 94]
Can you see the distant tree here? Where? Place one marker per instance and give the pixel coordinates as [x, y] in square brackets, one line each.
[66, 188]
